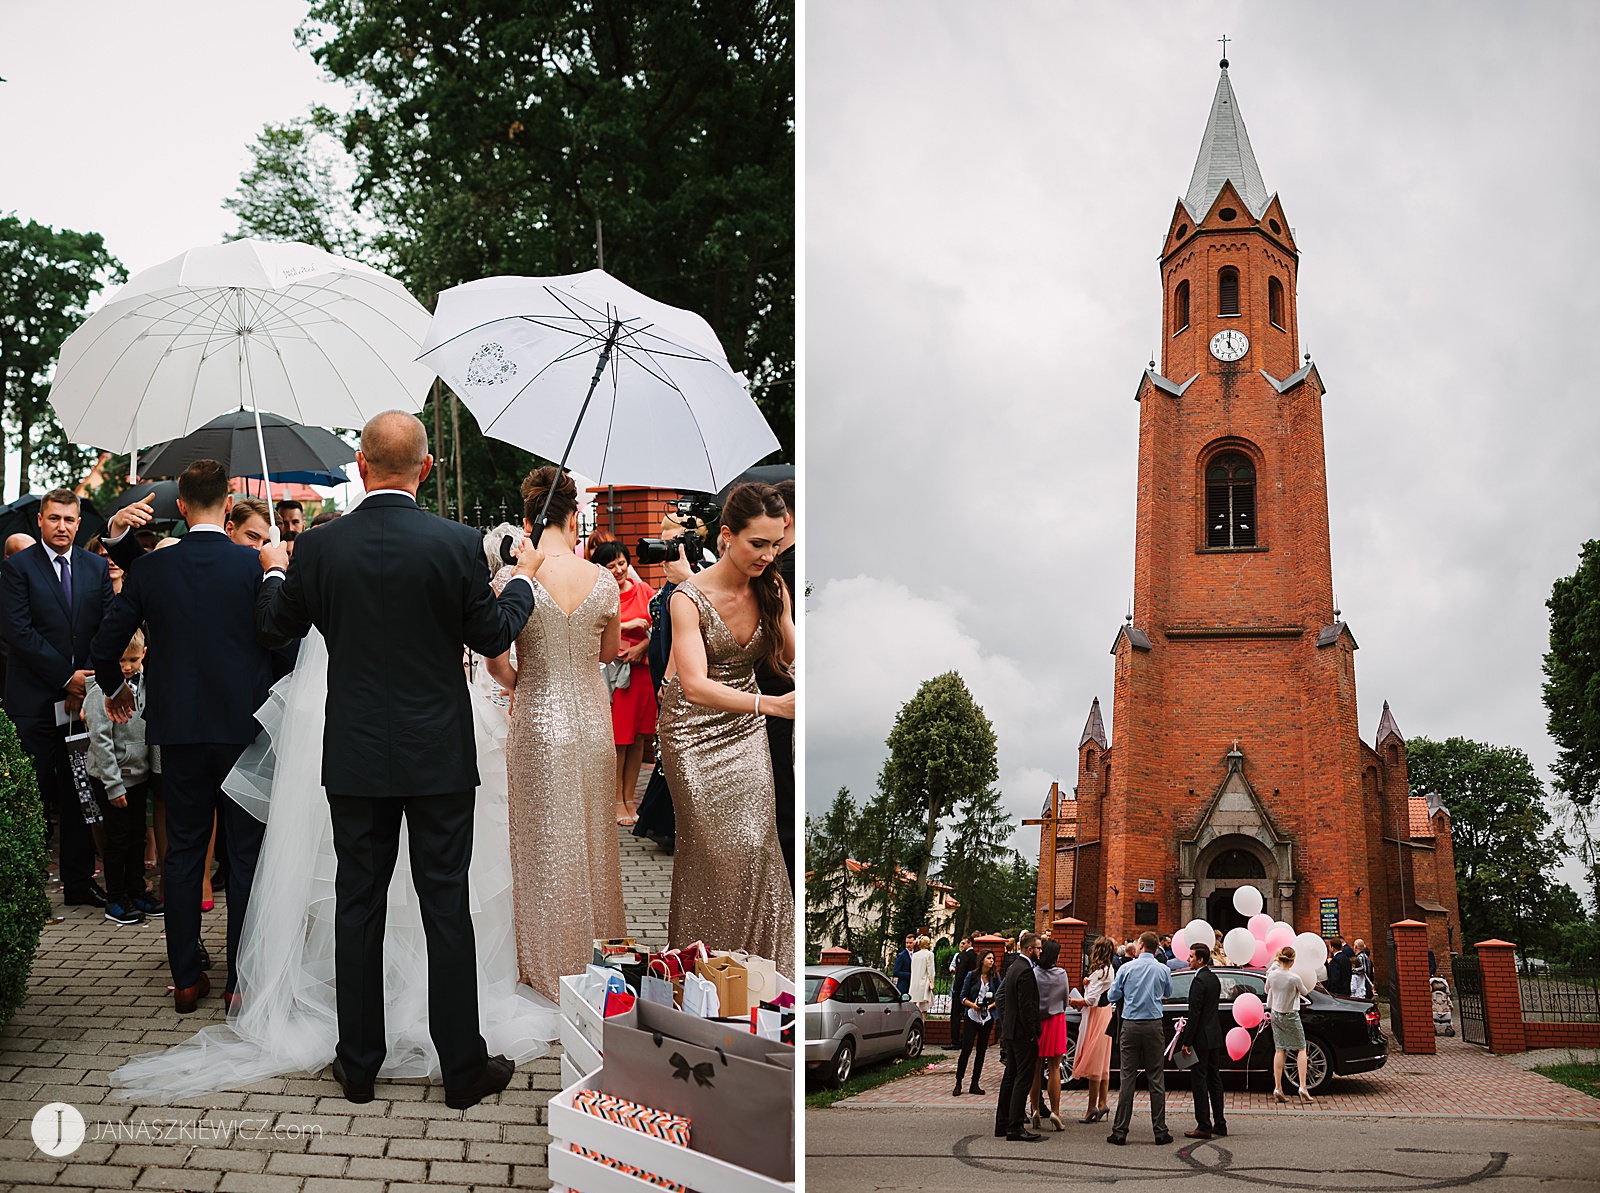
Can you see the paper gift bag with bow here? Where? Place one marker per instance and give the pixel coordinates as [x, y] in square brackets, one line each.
[737, 1089]
[731, 981]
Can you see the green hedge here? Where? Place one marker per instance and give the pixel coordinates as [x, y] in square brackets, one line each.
[24, 905]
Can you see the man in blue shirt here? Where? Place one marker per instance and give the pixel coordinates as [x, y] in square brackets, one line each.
[1140, 986]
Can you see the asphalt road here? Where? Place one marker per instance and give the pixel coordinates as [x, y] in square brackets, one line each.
[936, 1150]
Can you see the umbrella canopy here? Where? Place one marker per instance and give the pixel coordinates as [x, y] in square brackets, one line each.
[231, 440]
[300, 479]
[164, 493]
[767, 474]
[526, 355]
[286, 328]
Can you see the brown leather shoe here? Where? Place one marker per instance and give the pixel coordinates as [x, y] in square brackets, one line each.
[495, 1077]
[1197, 1133]
[185, 998]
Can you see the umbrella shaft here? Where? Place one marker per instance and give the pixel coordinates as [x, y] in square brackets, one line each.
[599, 371]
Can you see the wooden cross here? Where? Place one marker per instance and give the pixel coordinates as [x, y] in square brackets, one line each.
[1052, 820]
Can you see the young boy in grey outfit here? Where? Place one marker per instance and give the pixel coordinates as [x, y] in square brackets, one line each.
[120, 764]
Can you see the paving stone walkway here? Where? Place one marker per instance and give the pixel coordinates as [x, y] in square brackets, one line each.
[98, 995]
[1461, 1081]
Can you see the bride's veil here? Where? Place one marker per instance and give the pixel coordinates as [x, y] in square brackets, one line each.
[287, 1022]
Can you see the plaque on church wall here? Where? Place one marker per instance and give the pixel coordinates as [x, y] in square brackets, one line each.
[1147, 886]
[1330, 918]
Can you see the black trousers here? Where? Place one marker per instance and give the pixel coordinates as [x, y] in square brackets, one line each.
[972, 1034]
[366, 839]
[125, 826]
[1205, 1078]
[46, 744]
[1022, 1058]
[191, 779]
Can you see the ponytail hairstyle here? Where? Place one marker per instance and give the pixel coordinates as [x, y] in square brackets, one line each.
[537, 484]
[746, 503]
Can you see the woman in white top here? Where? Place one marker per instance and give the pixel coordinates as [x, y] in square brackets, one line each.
[1093, 1062]
[1285, 989]
[922, 975]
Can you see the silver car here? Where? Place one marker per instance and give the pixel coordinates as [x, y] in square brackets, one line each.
[853, 1014]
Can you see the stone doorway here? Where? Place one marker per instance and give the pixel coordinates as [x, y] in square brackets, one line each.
[1235, 844]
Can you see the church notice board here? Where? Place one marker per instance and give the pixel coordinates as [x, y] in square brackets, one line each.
[1330, 918]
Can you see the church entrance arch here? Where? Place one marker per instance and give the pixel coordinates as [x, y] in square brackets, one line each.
[1227, 864]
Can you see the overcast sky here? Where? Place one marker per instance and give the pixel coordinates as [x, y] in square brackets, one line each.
[988, 187]
[135, 120]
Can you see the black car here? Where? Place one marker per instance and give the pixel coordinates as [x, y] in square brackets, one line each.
[1342, 1034]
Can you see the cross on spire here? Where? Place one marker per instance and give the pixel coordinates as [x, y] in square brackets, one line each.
[1224, 40]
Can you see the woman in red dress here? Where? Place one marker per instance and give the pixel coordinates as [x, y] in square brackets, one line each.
[633, 708]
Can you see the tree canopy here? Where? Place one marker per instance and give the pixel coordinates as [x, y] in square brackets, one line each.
[1572, 694]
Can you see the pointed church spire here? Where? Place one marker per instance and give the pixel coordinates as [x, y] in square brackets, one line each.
[1225, 156]
[1387, 726]
[1094, 729]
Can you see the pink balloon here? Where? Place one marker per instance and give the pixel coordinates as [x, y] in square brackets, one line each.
[1180, 945]
[1278, 938]
[1260, 924]
[1263, 955]
[1238, 1043]
[1247, 1011]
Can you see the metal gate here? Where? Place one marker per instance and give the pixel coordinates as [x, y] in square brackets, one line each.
[1397, 1023]
[1469, 995]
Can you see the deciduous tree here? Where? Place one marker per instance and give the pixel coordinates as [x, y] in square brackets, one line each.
[1572, 696]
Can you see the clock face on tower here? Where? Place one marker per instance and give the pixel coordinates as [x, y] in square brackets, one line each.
[1229, 345]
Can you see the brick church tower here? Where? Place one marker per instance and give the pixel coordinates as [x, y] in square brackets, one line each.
[1236, 756]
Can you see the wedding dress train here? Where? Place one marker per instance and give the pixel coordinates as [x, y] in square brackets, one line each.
[287, 1021]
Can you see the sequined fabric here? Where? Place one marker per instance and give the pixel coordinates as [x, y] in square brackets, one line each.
[729, 885]
[562, 768]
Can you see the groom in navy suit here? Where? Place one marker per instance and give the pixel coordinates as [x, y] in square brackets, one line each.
[206, 674]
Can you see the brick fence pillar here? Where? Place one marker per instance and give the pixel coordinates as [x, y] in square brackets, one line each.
[1416, 997]
[835, 956]
[1502, 996]
[990, 944]
[1068, 933]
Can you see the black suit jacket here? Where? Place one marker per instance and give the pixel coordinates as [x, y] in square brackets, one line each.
[396, 592]
[207, 672]
[47, 641]
[966, 959]
[1019, 995]
[1204, 1029]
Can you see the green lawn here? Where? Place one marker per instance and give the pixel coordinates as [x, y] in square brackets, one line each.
[865, 1079]
[1582, 1077]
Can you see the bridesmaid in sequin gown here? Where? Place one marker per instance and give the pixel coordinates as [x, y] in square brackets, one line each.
[730, 887]
[560, 760]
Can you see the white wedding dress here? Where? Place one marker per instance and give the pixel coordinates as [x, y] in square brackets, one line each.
[287, 1021]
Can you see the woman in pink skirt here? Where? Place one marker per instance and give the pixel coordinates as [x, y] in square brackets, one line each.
[1093, 1062]
[1054, 986]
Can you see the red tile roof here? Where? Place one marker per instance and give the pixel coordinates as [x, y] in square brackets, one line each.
[1421, 824]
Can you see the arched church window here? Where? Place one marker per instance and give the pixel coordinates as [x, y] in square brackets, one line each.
[1228, 291]
[1236, 863]
[1180, 307]
[1230, 501]
[1275, 302]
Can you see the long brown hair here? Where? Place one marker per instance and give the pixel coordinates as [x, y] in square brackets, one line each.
[1101, 953]
[746, 503]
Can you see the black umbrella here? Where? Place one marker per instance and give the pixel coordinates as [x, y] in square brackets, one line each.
[22, 517]
[767, 474]
[231, 440]
[163, 493]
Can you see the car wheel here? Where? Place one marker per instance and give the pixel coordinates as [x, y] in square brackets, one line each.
[844, 1063]
[914, 1042]
[1070, 1058]
[1319, 1067]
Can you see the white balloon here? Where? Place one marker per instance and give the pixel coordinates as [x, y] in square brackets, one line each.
[1200, 932]
[1307, 973]
[1240, 945]
[1309, 948]
[1247, 901]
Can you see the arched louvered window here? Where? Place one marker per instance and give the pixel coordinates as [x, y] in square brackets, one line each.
[1228, 291]
[1230, 502]
[1180, 307]
[1275, 302]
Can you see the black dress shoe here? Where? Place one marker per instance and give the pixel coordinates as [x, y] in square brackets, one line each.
[999, 1132]
[1220, 1131]
[359, 1094]
[976, 1090]
[495, 1077]
[1023, 1137]
[957, 1091]
[90, 896]
[1119, 1140]
[1163, 1140]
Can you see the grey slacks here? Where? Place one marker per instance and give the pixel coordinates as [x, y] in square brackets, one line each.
[1143, 1045]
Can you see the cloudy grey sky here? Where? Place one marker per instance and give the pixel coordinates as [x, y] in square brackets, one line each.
[135, 120]
[988, 187]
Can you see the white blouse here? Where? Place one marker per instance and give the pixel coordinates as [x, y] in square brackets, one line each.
[1284, 989]
[1098, 983]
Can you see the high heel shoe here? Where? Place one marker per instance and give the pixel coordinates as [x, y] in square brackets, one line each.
[1306, 1097]
[207, 905]
[1055, 1120]
[1277, 1096]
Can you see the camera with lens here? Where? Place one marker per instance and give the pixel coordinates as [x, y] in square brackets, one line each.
[691, 542]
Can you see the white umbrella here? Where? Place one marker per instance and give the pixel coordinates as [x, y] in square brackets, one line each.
[527, 355]
[285, 328]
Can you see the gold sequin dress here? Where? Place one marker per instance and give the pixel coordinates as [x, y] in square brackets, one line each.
[730, 888]
[562, 769]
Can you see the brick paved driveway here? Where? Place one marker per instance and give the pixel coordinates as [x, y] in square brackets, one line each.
[99, 995]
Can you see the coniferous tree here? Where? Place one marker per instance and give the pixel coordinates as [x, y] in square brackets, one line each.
[830, 884]
[1572, 698]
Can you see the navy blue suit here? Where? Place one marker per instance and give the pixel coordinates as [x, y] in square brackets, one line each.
[48, 642]
[206, 674]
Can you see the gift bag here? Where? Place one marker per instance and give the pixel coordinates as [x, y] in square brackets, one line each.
[761, 976]
[737, 1089]
[78, 761]
[659, 991]
[699, 996]
[731, 981]
[669, 1127]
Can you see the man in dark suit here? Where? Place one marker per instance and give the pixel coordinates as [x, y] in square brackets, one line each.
[902, 965]
[1339, 968]
[1203, 1032]
[1019, 1032]
[963, 963]
[206, 676]
[396, 592]
[53, 597]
